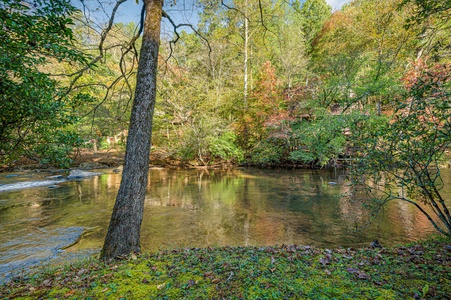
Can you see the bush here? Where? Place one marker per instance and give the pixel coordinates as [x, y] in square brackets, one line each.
[267, 153]
[224, 148]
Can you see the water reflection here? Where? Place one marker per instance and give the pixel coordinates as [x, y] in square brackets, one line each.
[199, 208]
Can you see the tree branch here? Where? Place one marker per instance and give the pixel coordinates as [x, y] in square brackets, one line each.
[176, 26]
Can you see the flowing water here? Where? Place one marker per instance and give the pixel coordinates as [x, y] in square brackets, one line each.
[193, 208]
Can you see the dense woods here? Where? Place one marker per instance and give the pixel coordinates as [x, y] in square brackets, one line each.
[259, 82]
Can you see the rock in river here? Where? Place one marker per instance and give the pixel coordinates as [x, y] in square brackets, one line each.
[79, 174]
[28, 184]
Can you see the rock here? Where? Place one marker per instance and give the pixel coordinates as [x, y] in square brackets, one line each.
[79, 174]
[375, 244]
[11, 175]
[55, 177]
[92, 165]
[28, 184]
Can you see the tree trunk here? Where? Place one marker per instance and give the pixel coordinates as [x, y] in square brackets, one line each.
[246, 64]
[124, 230]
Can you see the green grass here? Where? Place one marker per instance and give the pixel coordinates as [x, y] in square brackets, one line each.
[415, 271]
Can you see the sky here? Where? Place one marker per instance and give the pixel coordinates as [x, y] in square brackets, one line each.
[183, 12]
[336, 4]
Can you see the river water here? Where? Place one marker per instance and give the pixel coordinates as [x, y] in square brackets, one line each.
[195, 208]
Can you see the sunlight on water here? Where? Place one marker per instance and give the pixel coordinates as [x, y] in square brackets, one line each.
[199, 208]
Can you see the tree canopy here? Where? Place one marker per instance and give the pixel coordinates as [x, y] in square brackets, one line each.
[36, 106]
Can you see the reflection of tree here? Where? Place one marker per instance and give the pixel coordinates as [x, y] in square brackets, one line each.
[410, 222]
[246, 205]
[395, 219]
[352, 212]
[79, 191]
[217, 208]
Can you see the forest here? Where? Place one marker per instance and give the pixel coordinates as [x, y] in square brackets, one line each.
[264, 83]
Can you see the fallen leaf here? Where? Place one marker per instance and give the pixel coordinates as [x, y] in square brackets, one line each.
[191, 283]
[273, 260]
[82, 271]
[324, 261]
[362, 263]
[362, 275]
[208, 274]
[47, 283]
[70, 293]
[160, 286]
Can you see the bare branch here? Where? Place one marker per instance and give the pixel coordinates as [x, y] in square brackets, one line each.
[261, 16]
[235, 9]
[176, 26]
[103, 37]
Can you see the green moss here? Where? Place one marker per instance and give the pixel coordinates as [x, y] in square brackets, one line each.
[291, 272]
[58, 293]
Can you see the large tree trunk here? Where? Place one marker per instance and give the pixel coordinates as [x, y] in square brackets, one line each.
[124, 230]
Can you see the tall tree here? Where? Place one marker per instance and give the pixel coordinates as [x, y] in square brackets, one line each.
[315, 13]
[124, 230]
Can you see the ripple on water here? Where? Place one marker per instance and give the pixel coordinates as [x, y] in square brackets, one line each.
[20, 254]
[28, 184]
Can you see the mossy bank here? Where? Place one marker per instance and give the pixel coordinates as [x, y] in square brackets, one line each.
[415, 271]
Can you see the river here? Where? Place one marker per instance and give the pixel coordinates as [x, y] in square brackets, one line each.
[195, 208]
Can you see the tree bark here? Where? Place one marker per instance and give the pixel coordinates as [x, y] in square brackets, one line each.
[246, 46]
[124, 230]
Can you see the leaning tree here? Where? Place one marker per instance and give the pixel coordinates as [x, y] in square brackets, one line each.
[124, 230]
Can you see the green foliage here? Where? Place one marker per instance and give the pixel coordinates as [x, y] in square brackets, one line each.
[267, 153]
[323, 139]
[35, 108]
[314, 13]
[401, 160]
[426, 8]
[56, 151]
[304, 63]
[224, 148]
[203, 142]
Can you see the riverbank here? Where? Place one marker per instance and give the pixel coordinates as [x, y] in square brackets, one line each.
[86, 159]
[415, 271]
